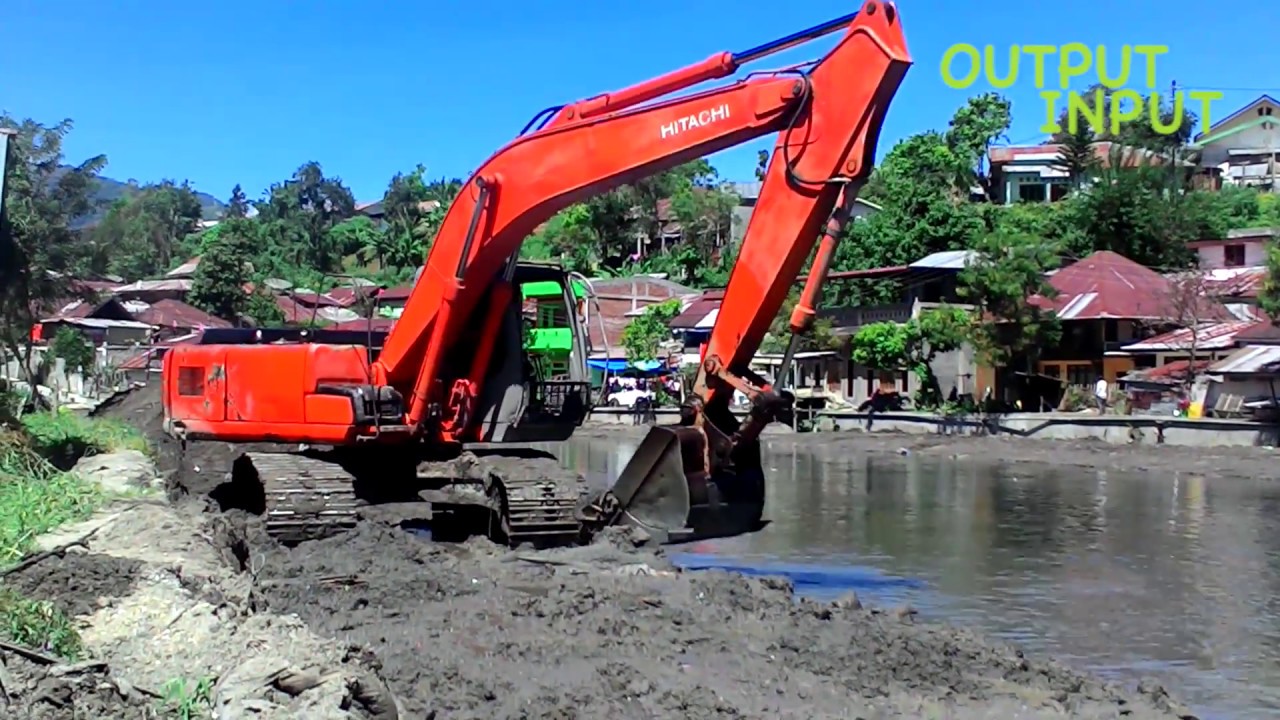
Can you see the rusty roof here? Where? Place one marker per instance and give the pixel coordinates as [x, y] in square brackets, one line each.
[177, 314]
[698, 310]
[377, 324]
[1108, 285]
[1208, 336]
[1242, 282]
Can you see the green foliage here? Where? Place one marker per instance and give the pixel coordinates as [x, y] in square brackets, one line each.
[188, 700]
[38, 249]
[622, 231]
[821, 335]
[913, 346]
[66, 437]
[218, 285]
[1002, 279]
[39, 625]
[74, 350]
[36, 497]
[643, 335]
[141, 233]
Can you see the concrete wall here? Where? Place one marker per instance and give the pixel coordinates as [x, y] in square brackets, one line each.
[1117, 429]
[1213, 256]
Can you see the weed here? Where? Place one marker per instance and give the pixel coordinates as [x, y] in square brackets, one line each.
[38, 625]
[65, 437]
[36, 497]
[187, 700]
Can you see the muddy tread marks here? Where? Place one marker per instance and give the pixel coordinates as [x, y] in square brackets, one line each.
[539, 499]
[306, 498]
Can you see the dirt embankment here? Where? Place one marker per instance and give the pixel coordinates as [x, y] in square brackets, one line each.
[477, 631]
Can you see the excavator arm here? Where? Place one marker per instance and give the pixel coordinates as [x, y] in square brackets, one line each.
[704, 477]
[829, 115]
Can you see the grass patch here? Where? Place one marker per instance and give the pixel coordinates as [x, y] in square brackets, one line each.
[187, 700]
[36, 497]
[38, 625]
[63, 437]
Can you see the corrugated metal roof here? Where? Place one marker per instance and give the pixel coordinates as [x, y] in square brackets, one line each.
[1249, 359]
[946, 260]
[177, 314]
[101, 324]
[1209, 336]
[1108, 285]
[697, 311]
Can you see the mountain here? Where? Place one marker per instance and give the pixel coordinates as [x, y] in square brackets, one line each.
[109, 190]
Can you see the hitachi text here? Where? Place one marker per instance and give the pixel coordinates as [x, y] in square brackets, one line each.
[706, 117]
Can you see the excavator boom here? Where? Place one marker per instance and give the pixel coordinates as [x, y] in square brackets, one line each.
[704, 477]
[831, 114]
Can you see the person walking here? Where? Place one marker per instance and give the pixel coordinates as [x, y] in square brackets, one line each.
[1100, 395]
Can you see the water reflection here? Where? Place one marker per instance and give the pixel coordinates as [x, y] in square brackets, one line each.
[1128, 575]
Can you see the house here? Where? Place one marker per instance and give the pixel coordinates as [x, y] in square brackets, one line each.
[1247, 380]
[107, 324]
[1243, 248]
[618, 300]
[1208, 341]
[927, 283]
[173, 318]
[1032, 173]
[1107, 302]
[749, 192]
[1242, 148]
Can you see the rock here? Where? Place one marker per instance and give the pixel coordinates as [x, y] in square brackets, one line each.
[118, 472]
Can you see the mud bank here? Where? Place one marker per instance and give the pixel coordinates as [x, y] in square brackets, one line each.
[160, 597]
[1250, 462]
[473, 630]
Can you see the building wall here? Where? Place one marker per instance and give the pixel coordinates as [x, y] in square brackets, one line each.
[1214, 256]
[1216, 153]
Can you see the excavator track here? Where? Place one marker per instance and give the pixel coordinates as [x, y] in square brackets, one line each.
[536, 498]
[306, 498]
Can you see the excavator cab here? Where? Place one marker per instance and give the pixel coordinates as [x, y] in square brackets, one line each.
[538, 388]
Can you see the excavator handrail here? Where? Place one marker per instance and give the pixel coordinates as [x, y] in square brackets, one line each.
[570, 159]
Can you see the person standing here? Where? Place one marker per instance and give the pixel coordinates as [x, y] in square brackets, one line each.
[1100, 395]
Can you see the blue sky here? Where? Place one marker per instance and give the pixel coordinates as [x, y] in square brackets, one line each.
[238, 92]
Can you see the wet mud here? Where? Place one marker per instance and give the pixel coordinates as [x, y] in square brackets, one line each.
[387, 623]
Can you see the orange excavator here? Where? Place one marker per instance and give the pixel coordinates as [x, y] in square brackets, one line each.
[444, 406]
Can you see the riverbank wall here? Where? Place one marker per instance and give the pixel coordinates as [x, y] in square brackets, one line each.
[1115, 429]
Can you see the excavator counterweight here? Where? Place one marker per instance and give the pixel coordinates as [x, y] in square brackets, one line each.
[443, 407]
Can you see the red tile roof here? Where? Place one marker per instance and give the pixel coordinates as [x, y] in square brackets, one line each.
[177, 314]
[1108, 285]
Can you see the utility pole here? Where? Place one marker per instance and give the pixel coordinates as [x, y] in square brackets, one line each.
[6, 140]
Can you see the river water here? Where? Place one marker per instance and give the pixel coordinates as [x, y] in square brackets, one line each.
[1129, 576]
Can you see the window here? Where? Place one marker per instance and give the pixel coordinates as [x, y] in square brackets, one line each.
[190, 381]
[1233, 255]
[1031, 192]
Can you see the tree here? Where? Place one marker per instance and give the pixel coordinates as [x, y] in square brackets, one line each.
[1076, 155]
[38, 249]
[71, 346]
[820, 337]
[218, 285]
[298, 214]
[1189, 303]
[140, 234]
[644, 335]
[1006, 280]
[237, 205]
[414, 209]
[913, 346]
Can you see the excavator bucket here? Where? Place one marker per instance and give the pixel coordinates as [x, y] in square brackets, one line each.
[652, 489]
[669, 490]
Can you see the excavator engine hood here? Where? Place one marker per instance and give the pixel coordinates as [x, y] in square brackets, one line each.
[675, 489]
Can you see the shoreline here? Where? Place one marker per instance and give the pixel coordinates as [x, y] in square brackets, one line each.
[1235, 462]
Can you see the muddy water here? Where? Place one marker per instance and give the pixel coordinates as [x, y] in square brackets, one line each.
[1137, 575]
